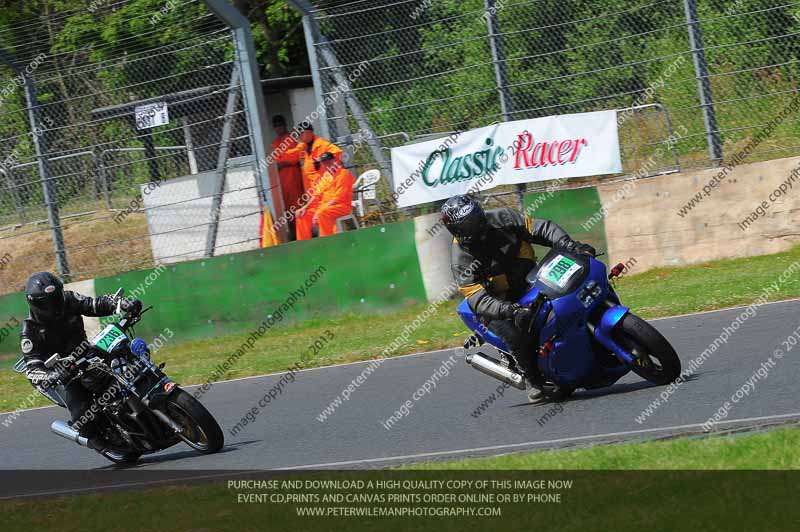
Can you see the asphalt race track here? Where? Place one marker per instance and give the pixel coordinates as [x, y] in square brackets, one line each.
[287, 434]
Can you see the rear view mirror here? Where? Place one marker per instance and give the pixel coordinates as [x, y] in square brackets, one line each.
[118, 298]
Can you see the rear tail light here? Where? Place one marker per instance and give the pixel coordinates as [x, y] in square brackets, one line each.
[616, 271]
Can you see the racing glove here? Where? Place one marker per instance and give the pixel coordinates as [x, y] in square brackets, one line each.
[59, 375]
[566, 243]
[521, 316]
[131, 306]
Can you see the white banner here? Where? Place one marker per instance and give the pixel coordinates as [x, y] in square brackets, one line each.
[523, 151]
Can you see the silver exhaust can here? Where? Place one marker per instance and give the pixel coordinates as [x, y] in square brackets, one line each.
[493, 368]
[65, 431]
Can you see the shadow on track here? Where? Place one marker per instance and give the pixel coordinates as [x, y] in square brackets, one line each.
[173, 457]
[584, 395]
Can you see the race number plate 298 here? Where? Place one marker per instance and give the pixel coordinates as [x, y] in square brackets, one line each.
[108, 338]
[559, 271]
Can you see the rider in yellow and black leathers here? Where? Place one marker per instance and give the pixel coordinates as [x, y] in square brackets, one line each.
[491, 255]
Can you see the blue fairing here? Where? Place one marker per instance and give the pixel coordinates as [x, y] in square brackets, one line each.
[471, 320]
[610, 319]
[575, 358]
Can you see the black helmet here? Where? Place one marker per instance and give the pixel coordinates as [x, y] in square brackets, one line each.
[464, 217]
[45, 295]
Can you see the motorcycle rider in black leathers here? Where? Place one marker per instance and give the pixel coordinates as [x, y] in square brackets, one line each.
[490, 257]
[55, 325]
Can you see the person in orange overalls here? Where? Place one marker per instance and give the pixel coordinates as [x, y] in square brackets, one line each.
[335, 197]
[287, 158]
[311, 149]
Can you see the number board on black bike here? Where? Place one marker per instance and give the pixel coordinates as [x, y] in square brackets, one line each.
[108, 338]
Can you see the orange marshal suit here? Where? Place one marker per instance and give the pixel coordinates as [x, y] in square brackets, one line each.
[311, 180]
[334, 200]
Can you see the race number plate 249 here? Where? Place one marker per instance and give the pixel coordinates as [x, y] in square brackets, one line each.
[108, 338]
[559, 271]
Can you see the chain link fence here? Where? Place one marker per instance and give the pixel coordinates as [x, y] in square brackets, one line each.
[112, 137]
[703, 76]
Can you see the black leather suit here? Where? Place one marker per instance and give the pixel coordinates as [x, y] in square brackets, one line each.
[66, 336]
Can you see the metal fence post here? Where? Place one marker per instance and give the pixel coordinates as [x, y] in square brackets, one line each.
[498, 59]
[355, 107]
[339, 108]
[703, 82]
[12, 189]
[50, 199]
[501, 73]
[40, 146]
[99, 168]
[255, 106]
[343, 83]
[313, 63]
[189, 140]
[222, 165]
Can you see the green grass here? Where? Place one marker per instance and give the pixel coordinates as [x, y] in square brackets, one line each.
[610, 497]
[775, 449]
[708, 286]
[659, 292]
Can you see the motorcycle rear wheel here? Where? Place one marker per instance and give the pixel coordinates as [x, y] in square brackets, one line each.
[656, 359]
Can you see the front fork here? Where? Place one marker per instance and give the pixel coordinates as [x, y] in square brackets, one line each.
[603, 331]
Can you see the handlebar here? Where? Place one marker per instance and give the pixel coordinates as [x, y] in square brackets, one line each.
[130, 320]
[51, 362]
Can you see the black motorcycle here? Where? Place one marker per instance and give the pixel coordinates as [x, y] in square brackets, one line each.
[137, 408]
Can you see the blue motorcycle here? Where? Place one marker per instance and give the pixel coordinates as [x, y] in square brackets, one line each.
[587, 338]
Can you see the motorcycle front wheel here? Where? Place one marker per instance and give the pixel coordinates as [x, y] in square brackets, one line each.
[656, 360]
[201, 431]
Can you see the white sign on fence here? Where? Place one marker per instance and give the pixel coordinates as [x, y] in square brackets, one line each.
[523, 151]
[152, 115]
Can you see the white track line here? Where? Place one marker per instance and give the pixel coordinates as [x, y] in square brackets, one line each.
[424, 353]
[229, 474]
[531, 444]
[793, 300]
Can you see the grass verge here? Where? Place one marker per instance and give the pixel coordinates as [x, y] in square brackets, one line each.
[609, 499]
[774, 450]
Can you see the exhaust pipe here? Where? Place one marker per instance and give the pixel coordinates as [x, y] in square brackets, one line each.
[493, 368]
[65, 431]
